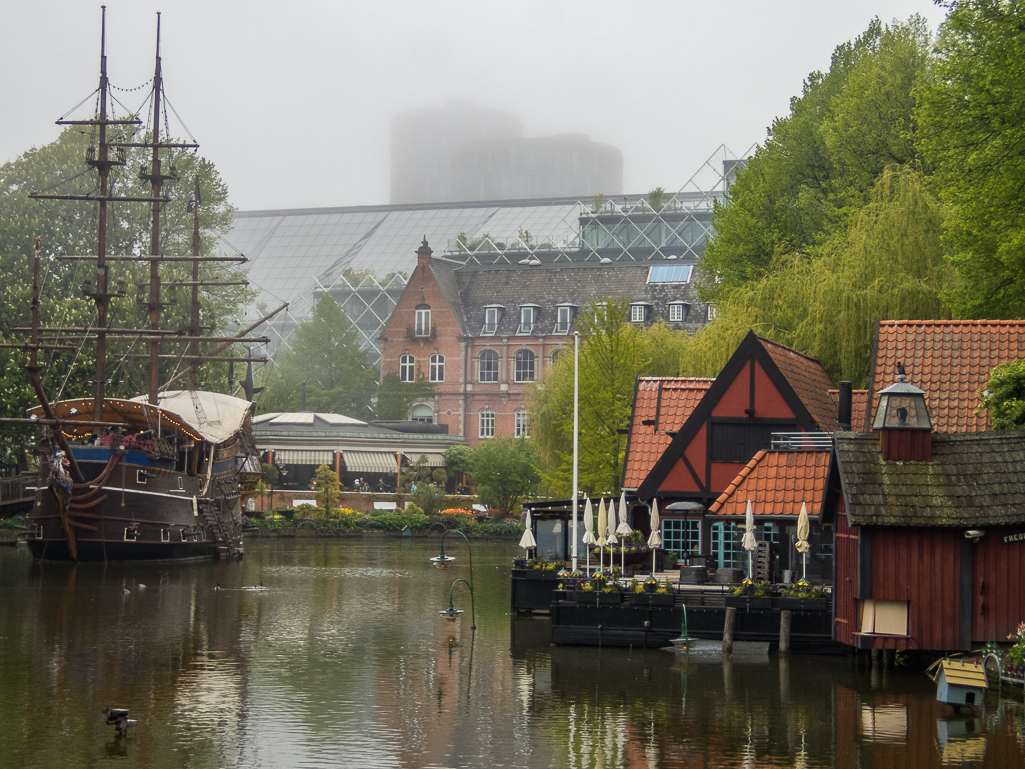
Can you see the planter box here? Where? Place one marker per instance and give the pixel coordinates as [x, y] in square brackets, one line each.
[749, 601]
[610, 598]
[662, 599]
[804, 604]
[582, 596]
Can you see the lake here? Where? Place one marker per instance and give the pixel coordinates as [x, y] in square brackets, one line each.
[332, 653]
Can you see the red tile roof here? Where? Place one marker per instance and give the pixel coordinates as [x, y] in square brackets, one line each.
[810, 381]
[951, 360]
[859, 398]
[672, 399]
[777, 482]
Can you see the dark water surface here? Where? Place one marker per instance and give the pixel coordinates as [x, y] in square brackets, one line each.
[341, 660]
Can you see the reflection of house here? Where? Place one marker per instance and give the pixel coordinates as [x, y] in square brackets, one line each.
[300, 442]
[482, 333]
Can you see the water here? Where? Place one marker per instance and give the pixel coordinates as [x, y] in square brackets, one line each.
[341, 660]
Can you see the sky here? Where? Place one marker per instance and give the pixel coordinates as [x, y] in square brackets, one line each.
[293, 102]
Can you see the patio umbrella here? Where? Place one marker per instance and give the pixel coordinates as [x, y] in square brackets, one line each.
[623, 530]
[588, 531]
[655, 538]
[527, 540]
[612, 532]
[802, 544]
[749, 543]
[603, 527]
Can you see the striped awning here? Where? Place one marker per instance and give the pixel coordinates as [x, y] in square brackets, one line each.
[433, 460]
[304, 457]
[370, 461]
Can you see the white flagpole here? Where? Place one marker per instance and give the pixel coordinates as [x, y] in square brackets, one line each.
[576, 436]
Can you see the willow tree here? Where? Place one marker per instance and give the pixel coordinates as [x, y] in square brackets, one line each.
[888, 265]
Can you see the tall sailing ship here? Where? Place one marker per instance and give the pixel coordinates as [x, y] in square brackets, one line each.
[164, 474]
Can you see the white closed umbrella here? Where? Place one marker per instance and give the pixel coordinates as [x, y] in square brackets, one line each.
[655, 538]
[603, 527]
[527, 541]
[623, 530]
[802, 544]
[749, 543]
[612, 533]
[588, 530]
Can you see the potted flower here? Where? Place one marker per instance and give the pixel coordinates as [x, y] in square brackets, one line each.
[585, 593]
[635, 593]
[748, 595]
[803, 596]
[663, 595]
[1014, 664]
[609, 593]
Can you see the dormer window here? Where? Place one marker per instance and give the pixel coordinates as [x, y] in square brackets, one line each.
[639, 312]
[492, 314]
[423, 320]
[563, 318]
[528, 316]
[678, 312]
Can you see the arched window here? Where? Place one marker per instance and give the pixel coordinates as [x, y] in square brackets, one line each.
[407, 368]
[556, 353]
[487, 423]
[422, 413]
[525, 366]
[520, 423]
[437, 372]
[488, 366]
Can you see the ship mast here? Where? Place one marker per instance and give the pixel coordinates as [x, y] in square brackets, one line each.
[156, 179]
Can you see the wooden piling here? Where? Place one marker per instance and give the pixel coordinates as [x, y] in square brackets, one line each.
[784, 631]
[727, 631]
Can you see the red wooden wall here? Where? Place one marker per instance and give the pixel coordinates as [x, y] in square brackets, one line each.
[845, 590]
[998, 573]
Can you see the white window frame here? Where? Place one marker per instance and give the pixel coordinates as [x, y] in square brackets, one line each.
[638, 313]
[415, 418]
[520, 371]
[407, 368]
[528, 318]
[676, 312]
[497, 366]
[563, 319]
[423, 321]
[437, 368]
[491, 317]
[712, 312]
[520, 428]
[486, 423]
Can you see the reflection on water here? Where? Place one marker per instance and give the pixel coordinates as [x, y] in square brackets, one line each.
[317, 653]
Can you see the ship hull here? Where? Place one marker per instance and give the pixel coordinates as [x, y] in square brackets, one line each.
[136, 507]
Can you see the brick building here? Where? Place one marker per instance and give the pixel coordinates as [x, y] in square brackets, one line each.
[482, 333]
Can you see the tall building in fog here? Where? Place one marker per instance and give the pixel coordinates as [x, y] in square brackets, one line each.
[462, 152]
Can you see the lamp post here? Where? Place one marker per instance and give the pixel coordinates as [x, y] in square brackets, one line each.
[441, 561]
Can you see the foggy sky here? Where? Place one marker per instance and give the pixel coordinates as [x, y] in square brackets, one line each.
[293, 102]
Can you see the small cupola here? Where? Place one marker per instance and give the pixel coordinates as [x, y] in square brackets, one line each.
[902, 420]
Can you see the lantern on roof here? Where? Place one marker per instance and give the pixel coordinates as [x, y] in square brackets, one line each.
[902, 420]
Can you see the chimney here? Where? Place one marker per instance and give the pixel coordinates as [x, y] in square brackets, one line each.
[423, 254]
[845, 405]
[902, 420]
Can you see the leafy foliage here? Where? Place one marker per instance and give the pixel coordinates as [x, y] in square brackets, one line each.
[1004, 397]
[504, 470]
[328, 489]
[394, 397]
[325, 358]
[972, 128]
[425, 485]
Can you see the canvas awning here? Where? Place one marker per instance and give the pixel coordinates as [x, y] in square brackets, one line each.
[370, 461]
[433, 460]
[304, 457]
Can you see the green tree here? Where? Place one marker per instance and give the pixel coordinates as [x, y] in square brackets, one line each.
[819, 164]
[1004, 396]
[457, 462]
[505, 471]
[270, 474]
[972, 128]
[325, 357]
[327, 487]
[394, 397]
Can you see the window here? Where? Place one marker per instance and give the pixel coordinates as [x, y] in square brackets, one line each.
[487, 423]
[726, 550]
[423, 320]
[422, 413]
[564, 315]
[491, 317]
[407, 368]
[712, 312]
[682, 537]
[437, 370]
[556, 354]
[678, 312]
[638, 313]
[528, 315]
[670, 273]
[488, 366]
[524, 366]
[520, 430]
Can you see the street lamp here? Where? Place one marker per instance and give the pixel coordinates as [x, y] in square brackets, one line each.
[441, 561]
